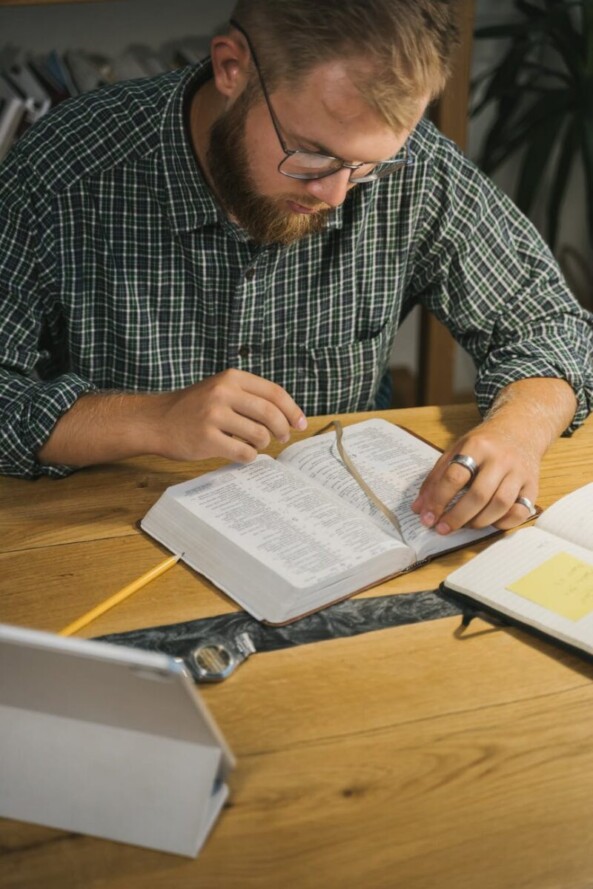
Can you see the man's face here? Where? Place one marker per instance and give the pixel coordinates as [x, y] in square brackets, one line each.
[327, 114]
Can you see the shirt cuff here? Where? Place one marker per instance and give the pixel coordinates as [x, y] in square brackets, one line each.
[45, 403]
[490, 383]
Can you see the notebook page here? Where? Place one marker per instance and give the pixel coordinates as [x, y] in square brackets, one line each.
[508, 562]
[571, 517]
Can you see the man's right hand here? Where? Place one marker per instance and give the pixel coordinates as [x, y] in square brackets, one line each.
[232, 415]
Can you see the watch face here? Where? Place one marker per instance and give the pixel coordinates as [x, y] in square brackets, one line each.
[213, 661]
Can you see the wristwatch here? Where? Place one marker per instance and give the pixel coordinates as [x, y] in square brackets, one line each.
[214, 660]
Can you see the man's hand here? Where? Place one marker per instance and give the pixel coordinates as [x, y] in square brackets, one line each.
[508, 448]
[232, 415]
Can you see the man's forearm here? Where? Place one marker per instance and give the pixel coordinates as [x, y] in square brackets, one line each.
[231, 415]
[103, 427]
[541, 407]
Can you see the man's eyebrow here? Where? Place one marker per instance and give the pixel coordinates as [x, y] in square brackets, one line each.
[311, 144]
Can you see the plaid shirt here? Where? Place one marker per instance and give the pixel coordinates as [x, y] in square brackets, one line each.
[119, 271]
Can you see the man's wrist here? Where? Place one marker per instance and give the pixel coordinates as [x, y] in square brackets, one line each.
[539, 408]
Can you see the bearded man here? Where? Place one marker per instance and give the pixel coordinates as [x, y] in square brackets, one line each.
[191, 264]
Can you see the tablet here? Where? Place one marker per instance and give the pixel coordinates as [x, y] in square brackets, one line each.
[108, 741]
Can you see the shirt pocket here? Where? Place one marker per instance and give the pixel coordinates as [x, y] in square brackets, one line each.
[344, 378]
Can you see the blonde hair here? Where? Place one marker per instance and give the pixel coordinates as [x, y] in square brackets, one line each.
[401, 50]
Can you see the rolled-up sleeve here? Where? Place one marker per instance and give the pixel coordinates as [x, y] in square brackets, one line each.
[484, 271]
[29, 407]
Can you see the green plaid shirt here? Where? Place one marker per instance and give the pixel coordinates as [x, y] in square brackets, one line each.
[119, 271]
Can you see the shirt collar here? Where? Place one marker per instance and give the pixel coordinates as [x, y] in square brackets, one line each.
[191, 202]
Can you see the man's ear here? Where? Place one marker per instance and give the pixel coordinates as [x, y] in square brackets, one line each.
[230, 64]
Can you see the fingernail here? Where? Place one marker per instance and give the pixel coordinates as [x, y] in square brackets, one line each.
[283, 439]
[442, 528]
[301, 423]
[428, 519]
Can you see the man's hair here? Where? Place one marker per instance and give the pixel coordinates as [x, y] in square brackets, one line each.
[400, 50]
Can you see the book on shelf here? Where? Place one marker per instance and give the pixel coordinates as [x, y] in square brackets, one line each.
[12, 117]
[87, 71]
[150, 60]
[55, 88]
[42, 80]
[23, 80]
[541, 577]
[285, 537]
[58, 69]
[187, 50]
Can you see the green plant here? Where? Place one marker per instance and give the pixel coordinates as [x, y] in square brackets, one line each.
[542, 91]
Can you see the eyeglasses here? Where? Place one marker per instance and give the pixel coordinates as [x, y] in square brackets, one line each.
[298, 164]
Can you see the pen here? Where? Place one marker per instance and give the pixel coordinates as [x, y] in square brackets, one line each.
[118, 597]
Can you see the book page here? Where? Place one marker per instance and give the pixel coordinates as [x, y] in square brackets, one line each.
[535, 577]
[299, 531]
[571, 517]
[393, 462]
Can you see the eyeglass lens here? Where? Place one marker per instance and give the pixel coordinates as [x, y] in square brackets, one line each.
[302, 165]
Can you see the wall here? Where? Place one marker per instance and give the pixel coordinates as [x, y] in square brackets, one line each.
[110, 26]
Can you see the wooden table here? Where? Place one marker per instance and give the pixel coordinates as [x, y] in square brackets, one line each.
[402, 758]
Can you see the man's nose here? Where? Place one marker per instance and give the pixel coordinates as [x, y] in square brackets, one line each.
[332, 190]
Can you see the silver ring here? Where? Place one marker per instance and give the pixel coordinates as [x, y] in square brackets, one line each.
[467, 462]
[527, 503]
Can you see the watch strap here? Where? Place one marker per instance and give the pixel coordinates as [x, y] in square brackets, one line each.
[349, 618]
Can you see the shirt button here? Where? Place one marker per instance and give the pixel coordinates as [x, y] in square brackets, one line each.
[244, 352]
[249, 274]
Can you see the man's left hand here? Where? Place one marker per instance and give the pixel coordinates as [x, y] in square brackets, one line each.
[507, 449]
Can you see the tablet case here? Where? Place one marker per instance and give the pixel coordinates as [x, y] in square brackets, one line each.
[108, 741]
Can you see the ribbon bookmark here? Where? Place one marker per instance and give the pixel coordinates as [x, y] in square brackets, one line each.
[367, 490]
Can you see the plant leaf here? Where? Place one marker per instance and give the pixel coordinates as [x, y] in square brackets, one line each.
[566, 39]
[535, 160]
[587, 152]
[503, 81]
[529, 10]
[492, 32]
[588, 32]
[570, 143]
[507, 135]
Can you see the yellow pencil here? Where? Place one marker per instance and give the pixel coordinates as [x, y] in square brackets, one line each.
[120, 596]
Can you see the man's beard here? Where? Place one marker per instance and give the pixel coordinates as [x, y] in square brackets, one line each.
[263, 218]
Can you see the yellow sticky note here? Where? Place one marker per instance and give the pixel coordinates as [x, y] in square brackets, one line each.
[562, 584]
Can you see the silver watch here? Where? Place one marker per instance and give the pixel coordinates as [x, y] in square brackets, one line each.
[216, 659]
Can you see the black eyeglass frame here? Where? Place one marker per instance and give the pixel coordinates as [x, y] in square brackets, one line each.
[394, 164]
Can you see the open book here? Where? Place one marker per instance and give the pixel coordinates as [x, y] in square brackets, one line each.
[539, 577]
[288, 536]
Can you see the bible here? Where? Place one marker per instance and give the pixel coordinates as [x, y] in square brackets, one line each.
[539, 578]
[285, 537]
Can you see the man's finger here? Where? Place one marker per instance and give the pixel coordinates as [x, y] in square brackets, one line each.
[275, 395]
[446, 482]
